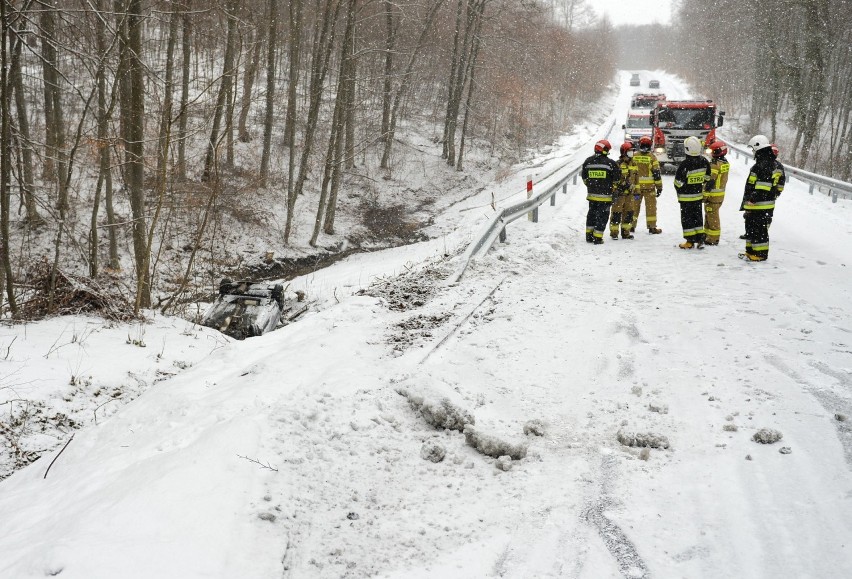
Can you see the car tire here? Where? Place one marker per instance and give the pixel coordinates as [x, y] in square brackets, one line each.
[278, 294]
[225, 285]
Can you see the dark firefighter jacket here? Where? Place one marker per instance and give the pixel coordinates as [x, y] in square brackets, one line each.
[762, 185]
[690, 177]
[599, 174]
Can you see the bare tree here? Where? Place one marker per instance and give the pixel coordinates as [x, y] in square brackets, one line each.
[225, 87]
[272, 37]
[132, 99]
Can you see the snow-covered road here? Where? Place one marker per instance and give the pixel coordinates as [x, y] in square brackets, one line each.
[632, 337]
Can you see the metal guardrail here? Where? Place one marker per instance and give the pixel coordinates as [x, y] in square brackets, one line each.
[836, 188]
[496, 226]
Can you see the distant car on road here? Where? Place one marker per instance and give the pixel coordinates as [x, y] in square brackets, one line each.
[638, 125]
[634, 80]
[653, 84]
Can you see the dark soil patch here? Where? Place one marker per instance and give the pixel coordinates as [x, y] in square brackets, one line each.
[288, 268]
[385, 223]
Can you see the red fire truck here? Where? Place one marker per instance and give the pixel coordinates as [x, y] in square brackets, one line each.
[674, 121]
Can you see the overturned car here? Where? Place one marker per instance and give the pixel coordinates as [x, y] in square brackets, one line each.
[244, 309]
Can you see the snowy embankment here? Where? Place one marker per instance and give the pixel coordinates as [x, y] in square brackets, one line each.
[297, 453]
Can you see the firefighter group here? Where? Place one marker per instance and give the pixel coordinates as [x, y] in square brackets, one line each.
[616, 190]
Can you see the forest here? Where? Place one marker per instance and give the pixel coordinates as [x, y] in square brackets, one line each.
[136, 132]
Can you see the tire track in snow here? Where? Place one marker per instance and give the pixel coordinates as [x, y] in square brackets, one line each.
[626, 556]
[833, 403]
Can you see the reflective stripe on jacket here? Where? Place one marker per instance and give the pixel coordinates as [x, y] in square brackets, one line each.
[648, 171]
[600, 174]
[761, 187]
[715, 191]
[690, 178]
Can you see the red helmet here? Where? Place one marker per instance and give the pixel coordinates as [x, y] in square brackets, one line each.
[718, 149]
[774, 149]
[626, 146]
[602, 146]
[645, 142]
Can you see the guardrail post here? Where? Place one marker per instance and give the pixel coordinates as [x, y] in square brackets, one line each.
[565, 186]
[503, 235]
[811, 189]
[575, 178]
[553, 200]
[532, 215]
[833, 195]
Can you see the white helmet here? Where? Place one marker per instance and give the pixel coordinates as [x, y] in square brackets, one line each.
[759, 142]
[692, 146]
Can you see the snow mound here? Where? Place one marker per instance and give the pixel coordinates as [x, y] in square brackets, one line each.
[642, 439]
[432, 451]
[767, 436]
[504, 463]
[534, 427]
[440, 412]
[493, 446]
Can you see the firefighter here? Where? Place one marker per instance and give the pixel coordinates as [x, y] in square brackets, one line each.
[779, 179]
[761, 190]
[625, 188]
[714, 192]
[689, 182]
[599, 174]
[650, 184]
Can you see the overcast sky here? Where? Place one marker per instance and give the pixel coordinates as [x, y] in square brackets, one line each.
[633, 12]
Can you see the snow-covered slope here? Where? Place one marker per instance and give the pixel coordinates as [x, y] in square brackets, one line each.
[296, 454]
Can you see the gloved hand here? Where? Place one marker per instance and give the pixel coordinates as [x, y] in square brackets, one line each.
[659, 192]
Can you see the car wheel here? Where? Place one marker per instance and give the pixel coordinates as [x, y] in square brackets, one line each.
[225, 285]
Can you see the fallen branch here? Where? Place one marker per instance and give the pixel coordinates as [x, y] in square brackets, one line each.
[255, 461]
[57, 456]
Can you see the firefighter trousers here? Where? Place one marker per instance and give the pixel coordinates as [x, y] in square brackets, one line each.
[692, 222]
[622, 215]
[712, 222]
[650, 197]
[757, 232]
[596, 219]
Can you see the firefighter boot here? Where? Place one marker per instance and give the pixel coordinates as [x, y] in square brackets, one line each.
[590, 237]
[614, 234]
[654, 230]
[686, 245]
[625, 234]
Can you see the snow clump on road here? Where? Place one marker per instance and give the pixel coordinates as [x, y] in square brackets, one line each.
[767, 436]
[642, 439]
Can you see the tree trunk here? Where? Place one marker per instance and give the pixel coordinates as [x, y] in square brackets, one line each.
[345, 96]
[5, 163]
[468, 103]
[132, 93]
[55, 129]
[272, 39]
[168, 90]
[224, 88]
[248, 86]
[387, 84]
[451, 85]
[293, 83]
[186, 58]
[26, 179]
